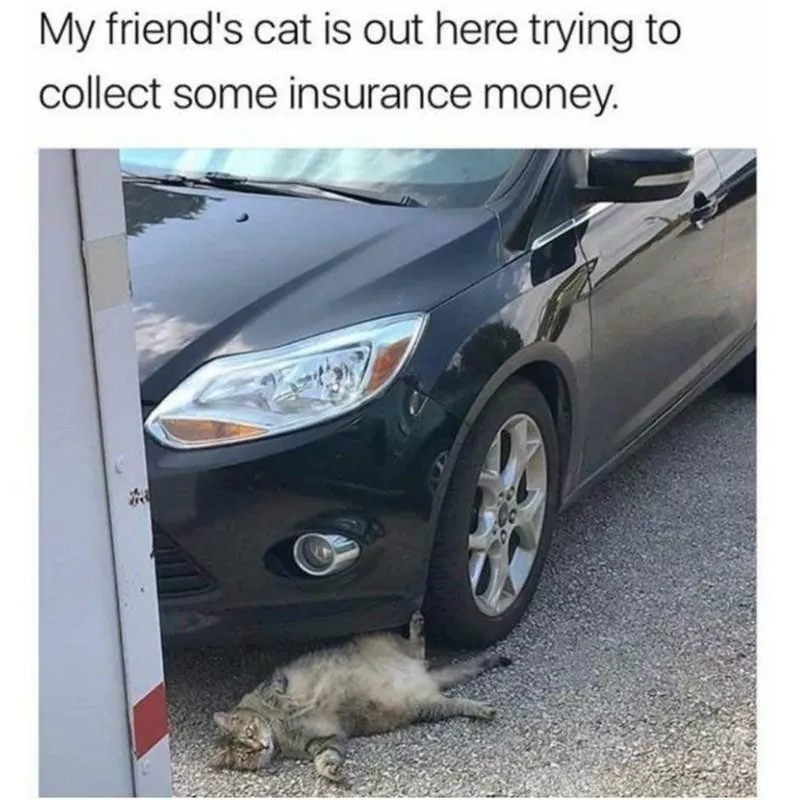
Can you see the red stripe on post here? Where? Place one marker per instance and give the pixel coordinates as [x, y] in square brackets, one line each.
[150, 720]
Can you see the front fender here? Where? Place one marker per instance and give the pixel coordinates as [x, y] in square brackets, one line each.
[508, 325]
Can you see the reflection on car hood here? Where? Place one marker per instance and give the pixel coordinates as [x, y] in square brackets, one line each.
[217, 272]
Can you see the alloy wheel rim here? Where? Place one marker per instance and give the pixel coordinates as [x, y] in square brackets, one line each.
[508, 515]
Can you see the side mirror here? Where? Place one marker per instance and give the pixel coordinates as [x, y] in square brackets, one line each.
[636, 176]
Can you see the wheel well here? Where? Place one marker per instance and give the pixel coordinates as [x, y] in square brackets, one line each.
[551, 383]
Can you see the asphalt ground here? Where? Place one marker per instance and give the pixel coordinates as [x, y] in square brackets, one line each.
[635, 667]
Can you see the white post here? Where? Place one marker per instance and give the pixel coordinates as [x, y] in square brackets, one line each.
[103, 726]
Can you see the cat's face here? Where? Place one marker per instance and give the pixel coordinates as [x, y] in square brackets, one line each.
[234, 756]
[248, 730]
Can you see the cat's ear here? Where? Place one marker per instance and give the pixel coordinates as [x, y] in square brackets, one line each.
[224, 721]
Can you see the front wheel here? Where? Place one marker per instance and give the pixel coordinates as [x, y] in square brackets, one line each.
[496, 520]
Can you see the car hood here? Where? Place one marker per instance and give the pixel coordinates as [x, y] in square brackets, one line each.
[215, 272]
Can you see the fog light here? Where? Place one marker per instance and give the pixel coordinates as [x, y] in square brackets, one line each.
[320, 554]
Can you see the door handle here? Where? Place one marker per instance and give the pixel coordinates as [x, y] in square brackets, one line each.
[704, 209]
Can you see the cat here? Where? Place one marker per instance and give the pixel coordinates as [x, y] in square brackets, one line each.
[309, 708]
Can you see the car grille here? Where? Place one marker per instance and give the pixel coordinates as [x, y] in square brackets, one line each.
[176, 574]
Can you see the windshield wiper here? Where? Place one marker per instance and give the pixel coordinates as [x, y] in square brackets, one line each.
[168, 179]
[305, 188]
[289, 188]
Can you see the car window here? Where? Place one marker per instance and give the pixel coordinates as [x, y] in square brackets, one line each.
[556, 204]
[439, 177]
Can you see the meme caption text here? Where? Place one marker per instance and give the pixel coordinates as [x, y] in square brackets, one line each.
[90, 84]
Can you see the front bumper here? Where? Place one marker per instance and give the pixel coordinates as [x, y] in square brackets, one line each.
[224, 520]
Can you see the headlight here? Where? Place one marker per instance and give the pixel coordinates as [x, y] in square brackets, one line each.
[244, 397]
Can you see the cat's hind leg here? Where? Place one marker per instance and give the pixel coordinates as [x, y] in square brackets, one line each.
[278, 683]
[416, 636]
[441, 708]
[455, 674]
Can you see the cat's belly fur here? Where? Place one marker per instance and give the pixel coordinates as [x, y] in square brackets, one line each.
[378, 692]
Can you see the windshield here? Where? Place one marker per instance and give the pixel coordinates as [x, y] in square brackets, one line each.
[445, 178]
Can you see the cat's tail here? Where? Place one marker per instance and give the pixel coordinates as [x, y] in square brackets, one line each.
[455, 674]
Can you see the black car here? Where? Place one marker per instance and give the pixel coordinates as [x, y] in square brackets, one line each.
[372, 378]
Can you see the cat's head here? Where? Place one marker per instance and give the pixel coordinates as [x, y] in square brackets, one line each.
[247, 729]
[231, 755]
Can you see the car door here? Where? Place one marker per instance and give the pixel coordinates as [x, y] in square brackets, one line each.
[657, 296]
[737, 211]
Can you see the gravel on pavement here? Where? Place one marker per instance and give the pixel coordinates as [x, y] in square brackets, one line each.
[635, 667]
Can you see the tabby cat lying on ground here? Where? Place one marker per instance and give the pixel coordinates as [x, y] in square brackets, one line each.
[311, 707]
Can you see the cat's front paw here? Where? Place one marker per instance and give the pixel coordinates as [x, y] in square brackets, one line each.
[328, 764]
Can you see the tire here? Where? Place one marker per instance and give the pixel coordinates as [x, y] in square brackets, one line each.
[742, 378]
[452, 608]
